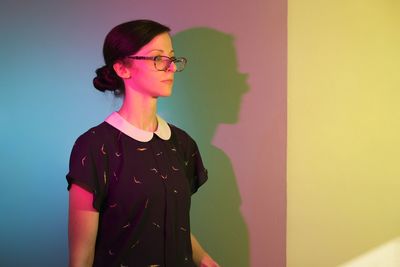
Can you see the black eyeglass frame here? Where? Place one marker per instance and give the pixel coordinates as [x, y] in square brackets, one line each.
[170, 60]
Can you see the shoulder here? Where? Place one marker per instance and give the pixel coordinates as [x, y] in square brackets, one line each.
[184, 141]
[93, 135]
[181, 135]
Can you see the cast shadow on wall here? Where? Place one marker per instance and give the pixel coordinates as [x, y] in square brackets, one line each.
[206, 94]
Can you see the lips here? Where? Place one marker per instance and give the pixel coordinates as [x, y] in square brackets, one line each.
[168, 81]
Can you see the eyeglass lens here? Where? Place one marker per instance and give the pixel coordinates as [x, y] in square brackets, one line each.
[163, 63]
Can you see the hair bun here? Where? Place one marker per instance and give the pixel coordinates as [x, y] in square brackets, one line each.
[107, 80]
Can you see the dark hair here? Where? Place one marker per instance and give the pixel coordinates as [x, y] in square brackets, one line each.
[124, 40]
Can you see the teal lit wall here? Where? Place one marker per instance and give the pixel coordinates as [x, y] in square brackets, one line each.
[231, 99]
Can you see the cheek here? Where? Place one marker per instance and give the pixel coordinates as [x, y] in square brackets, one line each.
[152, 84]
[143, 78]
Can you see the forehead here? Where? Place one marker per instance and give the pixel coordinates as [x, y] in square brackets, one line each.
[161, 42]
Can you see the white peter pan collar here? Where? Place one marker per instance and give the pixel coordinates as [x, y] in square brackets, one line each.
[116, 120]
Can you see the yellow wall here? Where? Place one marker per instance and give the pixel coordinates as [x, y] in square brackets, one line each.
[343, 129]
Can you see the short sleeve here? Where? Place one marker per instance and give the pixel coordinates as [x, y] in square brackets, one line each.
[86, 168]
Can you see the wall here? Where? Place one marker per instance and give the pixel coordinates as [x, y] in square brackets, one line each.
[343, 129]
[232, 99]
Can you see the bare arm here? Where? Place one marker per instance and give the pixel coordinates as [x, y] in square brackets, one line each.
[82, 227]
[200, 256]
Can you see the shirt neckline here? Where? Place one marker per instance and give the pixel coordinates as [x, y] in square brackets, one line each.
[116, 120]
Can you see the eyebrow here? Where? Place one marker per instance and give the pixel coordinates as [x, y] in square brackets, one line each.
[158, 50]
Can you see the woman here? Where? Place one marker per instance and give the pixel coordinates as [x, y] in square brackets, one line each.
[131, 177]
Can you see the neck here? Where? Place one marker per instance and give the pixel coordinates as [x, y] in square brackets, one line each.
[140, 110]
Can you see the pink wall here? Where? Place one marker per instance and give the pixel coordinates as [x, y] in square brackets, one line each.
[257, 142]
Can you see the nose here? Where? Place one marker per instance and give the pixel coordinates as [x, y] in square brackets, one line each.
[172, 67]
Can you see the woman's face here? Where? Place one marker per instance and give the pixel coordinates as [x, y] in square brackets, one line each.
[144, 77]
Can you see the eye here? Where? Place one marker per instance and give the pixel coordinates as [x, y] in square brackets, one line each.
[158, 59]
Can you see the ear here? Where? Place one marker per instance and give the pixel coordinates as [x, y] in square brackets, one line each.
[121, 70]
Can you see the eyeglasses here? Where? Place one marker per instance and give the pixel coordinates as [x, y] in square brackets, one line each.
[162, 63]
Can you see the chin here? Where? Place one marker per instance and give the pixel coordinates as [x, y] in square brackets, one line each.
[163, 94]
[167, 91]
[166, 94]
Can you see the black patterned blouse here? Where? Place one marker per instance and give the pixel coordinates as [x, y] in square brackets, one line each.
[142, 184]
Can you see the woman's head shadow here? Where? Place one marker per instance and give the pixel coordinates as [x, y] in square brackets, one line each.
[206, 94]
[210, 88]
